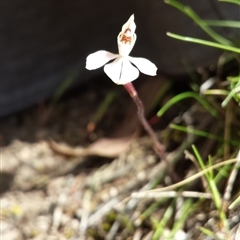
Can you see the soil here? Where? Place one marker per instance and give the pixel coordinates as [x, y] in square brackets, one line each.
[48, 192]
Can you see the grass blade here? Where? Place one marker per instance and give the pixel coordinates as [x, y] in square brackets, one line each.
[223, 23]
[185, 95]
[204, 42]
[201, 23]
[231, 1]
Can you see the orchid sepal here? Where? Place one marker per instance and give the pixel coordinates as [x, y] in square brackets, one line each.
[144, 65]
[99, 58]
[121, 71]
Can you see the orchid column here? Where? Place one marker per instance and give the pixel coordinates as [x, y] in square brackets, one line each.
[122, 72]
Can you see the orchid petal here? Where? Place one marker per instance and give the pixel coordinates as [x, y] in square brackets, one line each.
[98, 59]
[121, 71]
[130, 24]
[125, 48]
[144, 65]
[127, 37]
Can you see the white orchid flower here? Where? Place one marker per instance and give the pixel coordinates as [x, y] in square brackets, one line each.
[121, 71]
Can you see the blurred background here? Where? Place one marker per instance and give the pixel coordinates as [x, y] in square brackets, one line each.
[43, 43]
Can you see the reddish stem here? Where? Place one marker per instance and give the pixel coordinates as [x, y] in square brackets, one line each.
[159, 148]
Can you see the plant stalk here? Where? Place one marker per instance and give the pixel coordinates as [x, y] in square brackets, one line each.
[158, 147]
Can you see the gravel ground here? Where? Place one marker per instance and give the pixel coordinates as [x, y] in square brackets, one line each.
[54, 192]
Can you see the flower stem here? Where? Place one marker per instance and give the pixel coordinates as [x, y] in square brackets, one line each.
[159, 148]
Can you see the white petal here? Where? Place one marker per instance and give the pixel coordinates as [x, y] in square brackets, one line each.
[121, 71]
[98, 59]
[125, 48]
[144, 65]
[129, 24]
[129, 72]
[127, 37]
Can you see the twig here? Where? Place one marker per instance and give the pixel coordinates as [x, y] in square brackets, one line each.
[227, 130]
[113, 230]
[103, 209]
[231, 179]
[171, 194]
[193, 177]
[85, 215]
